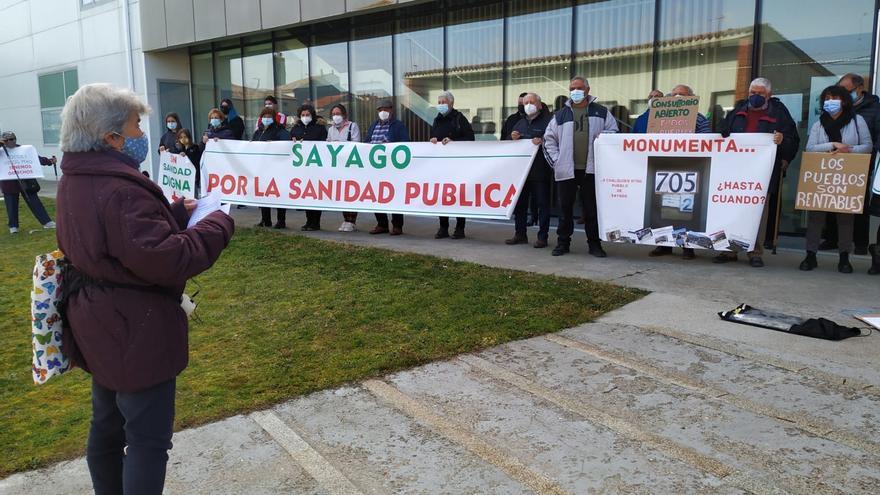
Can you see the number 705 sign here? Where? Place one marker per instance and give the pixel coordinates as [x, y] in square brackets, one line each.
[666, 182]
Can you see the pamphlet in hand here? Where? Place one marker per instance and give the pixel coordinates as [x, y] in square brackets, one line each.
[205, 206]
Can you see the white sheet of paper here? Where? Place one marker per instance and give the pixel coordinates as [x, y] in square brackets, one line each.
[873, 320]
[204, 207]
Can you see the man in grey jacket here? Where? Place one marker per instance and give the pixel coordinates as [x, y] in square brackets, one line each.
[568, 147]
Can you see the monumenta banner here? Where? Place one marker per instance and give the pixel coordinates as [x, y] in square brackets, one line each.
[686, 190]
[466, 179]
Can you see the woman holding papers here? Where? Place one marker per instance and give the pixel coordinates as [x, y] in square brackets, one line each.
[268, 129]
[129, 256]
[839, 130]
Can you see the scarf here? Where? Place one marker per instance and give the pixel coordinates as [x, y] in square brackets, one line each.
[833, 126]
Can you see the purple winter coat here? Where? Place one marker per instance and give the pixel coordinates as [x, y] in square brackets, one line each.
[115, 225]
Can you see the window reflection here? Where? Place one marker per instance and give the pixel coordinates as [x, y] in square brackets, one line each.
[614, 50]
[418, 64]
[371, 77]
[258, 82]
[202, 67]
[228, 70]
[329, 76]
[475, 51]
[291, 75]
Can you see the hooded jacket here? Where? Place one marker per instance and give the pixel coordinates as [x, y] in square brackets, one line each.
[115, 226]
[559, 137]
[777, 120]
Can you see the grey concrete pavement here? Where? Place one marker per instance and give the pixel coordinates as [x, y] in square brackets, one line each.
[660, 396]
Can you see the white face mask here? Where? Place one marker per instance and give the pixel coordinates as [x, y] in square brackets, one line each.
[306, 119]
[383, 115]
[171, 125]
[531, 109]
[337, 119]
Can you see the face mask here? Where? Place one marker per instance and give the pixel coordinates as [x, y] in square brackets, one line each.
[137, 148]
[530, 109]
[306, 119]
[757, 101]
[337, 119]
[383, 115]
[224, 109]
[171, 125]
[854, 95]
[831, 106]
[443, 108]
[215, 122]
[577, 95]
[267, 121]
[521, 108]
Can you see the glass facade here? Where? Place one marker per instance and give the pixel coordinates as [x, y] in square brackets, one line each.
[488, 52]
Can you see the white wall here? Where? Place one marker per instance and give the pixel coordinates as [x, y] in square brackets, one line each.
[42, 36]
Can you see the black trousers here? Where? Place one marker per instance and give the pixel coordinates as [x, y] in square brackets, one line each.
[139, 422]
[267, 216]
[459, 223]
[396, 220]
[313, 218]
[568, 189]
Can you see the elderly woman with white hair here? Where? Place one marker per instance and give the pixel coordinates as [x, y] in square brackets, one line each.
[129, 256]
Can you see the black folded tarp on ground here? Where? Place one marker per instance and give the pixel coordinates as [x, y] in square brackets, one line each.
[819, 328]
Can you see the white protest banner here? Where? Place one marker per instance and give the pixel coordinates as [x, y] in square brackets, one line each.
[465, 179]
[687, 190]
[177, 176]
[21, 159]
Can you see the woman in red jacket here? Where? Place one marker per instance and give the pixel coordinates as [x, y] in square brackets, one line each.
[130, 255]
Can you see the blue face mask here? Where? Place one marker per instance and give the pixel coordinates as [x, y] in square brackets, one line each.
[215, 122]
[172, 125]
[267, 121]
[831, 106]
[577, 95]
[136, 148]
[443, 108]
[854, 95]
[757, 101]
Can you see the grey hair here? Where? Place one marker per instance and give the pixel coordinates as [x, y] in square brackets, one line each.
[690, 91]
[94, 111]
[447, 96]
[536, 95]
[581, 78]
[761, 81]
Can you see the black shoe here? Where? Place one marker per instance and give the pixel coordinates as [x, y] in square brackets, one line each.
[517, 239]
[756, 262]
[809, 262]
[281, 225]
[660, 251]
[559, 250]
[309, 228]
[861, 250]
[441, 234]
[874, 249]
[827, 245]
[843, 266]
[458, 234]
[597, 251]
[688, 254]
[263, 224]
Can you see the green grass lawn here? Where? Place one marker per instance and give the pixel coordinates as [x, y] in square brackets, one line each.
[281, 316]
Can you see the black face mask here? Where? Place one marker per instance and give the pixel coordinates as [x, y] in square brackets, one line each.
[224, 109]
[522, 109]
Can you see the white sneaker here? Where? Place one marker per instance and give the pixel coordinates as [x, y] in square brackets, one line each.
[49, 225]
[343, 227]
[13, 230]
[347, 227]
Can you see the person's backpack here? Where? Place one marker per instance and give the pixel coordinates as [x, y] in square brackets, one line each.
[49, 358]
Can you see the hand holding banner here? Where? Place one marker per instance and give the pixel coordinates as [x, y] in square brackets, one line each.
[465, 179]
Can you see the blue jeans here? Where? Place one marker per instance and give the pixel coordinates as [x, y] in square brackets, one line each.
[541, 192]
[33, 202]
[140, 421]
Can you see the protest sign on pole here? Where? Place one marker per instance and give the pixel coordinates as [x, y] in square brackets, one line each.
[833, 182]
[465, 179]
[22, 160]
[689, 190]
[673, 115]
[177, 176]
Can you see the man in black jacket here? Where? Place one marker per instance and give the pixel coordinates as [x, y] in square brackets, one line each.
[450, 125]
[513, 118]
[761, 112]
[537, 184]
